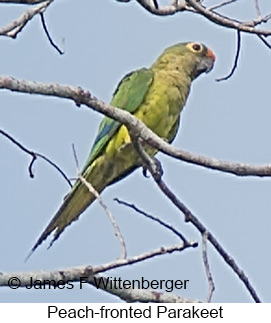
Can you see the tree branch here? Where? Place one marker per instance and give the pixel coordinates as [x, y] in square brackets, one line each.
[238, 49]
[162, 10]
[81, 96]
[190, 217]
[222, 4]
[196, 6]
[34, 155]
[207, 267]
[48, 35]
[153, 218]
[93, 191]
[23, 1]
[225, 21]
[109, 214]
[90, 274]
[12, 29]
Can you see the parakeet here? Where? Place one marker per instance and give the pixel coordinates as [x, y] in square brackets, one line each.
[155, 95]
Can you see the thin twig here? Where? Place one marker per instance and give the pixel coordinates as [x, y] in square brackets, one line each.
[162, 11]
[109, 214]
[93, 191]
[262, 38]
[147, 255]
[149, 216]
[48, 35]
[155, 3]
[257, 8]
[220, 5]
[23, 1]
[12, 29]
[238, 49]
[257, 21]
[34, 157]
[207, 267]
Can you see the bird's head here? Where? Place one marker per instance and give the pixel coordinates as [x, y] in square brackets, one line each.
[194, 58]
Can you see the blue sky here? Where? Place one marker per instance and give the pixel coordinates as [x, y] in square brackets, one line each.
[227, 120]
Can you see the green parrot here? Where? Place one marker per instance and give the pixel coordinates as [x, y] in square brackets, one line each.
[156, 96]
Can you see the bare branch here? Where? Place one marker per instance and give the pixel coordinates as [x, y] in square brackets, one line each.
[207, 267]
[94, 192]
[190, 217]
[81, 96]
[225, 21]
[149, 216]
[155, 3]
[23, 1]
[48, 35]
[264, 41]
[147, 255]
[17, 25]
[257, 21]
[136, 294]
[151, 6]
[220, 5]
[257, 8]
[34, 157]
[109, 214]
[87, 274]
[238, 49]
[195, 6]
[162, 11]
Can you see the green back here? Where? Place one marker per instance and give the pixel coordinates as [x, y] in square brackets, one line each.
[128, 96]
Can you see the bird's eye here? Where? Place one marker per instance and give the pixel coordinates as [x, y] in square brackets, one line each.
[196, 47]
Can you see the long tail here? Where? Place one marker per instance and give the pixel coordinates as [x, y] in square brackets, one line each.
[104, 171]
[74, 204]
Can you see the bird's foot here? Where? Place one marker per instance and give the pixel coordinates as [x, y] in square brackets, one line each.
[156, 169]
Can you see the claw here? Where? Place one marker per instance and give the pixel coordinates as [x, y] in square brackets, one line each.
[144, 172]
[158, 170]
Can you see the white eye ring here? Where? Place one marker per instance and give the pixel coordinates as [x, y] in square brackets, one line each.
[196, 47]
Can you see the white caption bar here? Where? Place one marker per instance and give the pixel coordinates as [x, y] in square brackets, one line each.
[148, 312]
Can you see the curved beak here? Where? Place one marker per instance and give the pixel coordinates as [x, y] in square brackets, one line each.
[210, 54]
[206, 63]
[209, 60]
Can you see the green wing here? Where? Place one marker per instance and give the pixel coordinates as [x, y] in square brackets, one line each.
[128, 96]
